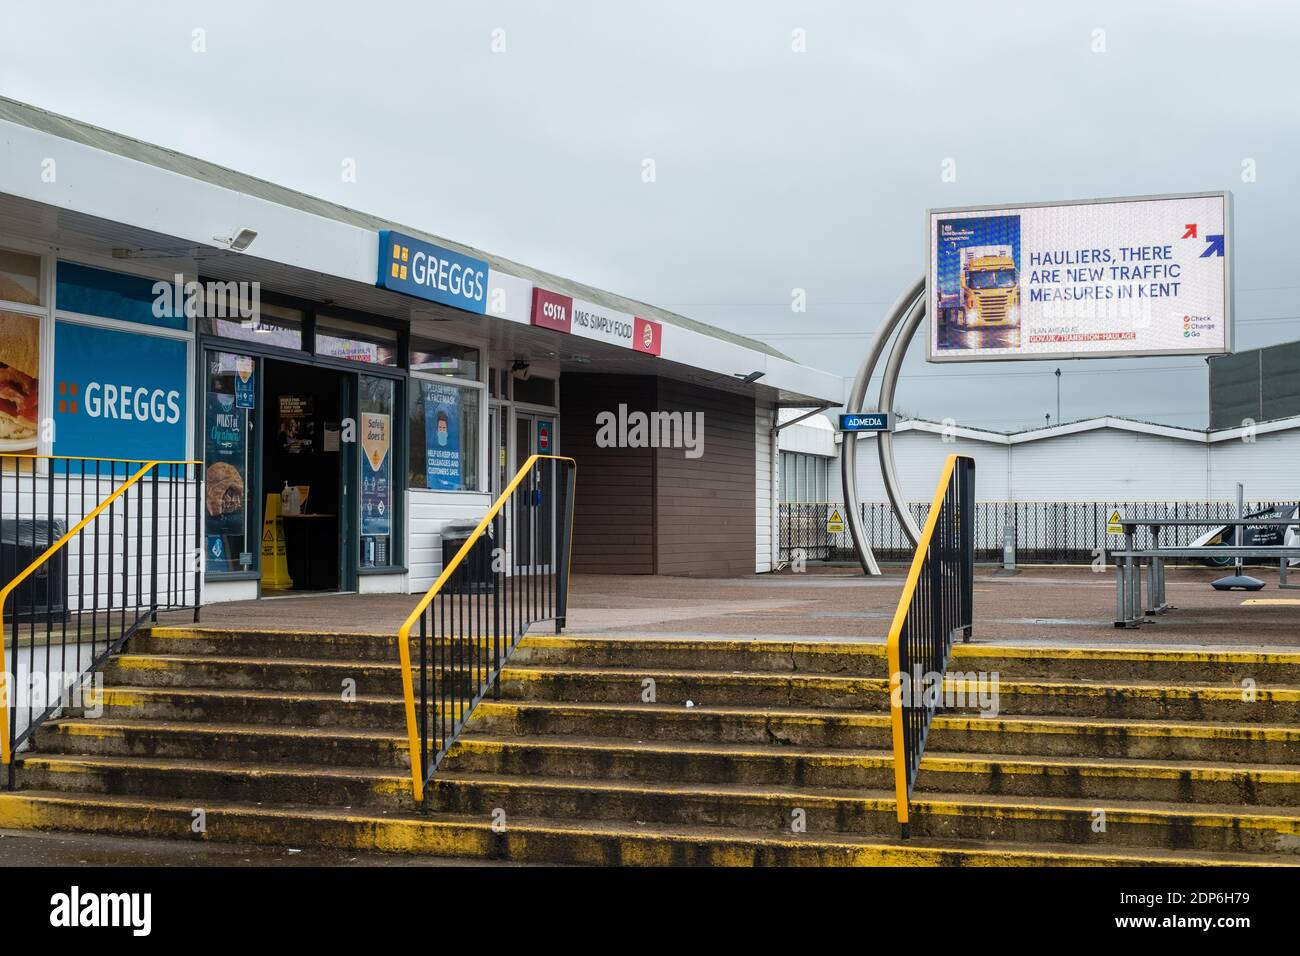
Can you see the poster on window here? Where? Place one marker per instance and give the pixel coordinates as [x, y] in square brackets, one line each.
[376, 474]
[225, 457]
[20, 350]
[297, 423]
[442, 456]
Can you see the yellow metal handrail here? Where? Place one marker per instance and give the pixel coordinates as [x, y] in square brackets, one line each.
[146, 466]
[892, 654]
[404, 634]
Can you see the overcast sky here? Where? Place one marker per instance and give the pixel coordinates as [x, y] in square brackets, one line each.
[775, 169]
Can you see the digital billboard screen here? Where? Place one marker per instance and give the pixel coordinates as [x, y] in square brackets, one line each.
[1096, 279]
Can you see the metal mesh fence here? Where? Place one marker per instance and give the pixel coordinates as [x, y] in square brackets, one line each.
[1044, 532]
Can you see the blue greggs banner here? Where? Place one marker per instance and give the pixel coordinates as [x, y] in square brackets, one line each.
[118, 394]
[415, 267]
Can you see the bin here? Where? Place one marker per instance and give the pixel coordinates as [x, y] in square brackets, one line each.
[474, 575]
[22, 541]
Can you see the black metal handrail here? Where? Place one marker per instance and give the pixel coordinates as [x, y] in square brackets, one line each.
[937, 602]
[511, 573]
[90, 549]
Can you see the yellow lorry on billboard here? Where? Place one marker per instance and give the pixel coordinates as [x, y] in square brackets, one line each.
[990, 288]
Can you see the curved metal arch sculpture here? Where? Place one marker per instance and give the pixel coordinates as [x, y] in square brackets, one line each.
[905, 316]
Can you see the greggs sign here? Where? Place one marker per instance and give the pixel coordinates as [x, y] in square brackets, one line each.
[562, 313]
[415, 267]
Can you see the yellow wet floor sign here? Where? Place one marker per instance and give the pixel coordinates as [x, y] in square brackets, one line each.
[835, 523]
[275, 567]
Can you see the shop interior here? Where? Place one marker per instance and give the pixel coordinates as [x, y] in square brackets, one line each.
[302, 463]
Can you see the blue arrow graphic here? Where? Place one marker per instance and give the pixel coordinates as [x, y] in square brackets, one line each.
[1215, 247]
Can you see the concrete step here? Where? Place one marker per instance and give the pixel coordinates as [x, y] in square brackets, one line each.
[1116, 699]
[1005, 823]
[1045, 736]
[713, 654]
[522, 839]
[202, 781]
[300, 645]
[692, 764]
[280, 708]
[867, 659]
[320, 676]
[1147, 664]
[236, 743]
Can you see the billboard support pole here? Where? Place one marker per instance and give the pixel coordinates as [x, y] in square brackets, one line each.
[908, 301]
[888, 383]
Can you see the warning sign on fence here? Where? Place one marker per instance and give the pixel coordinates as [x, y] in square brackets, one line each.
[1114, 525]
[835, 522]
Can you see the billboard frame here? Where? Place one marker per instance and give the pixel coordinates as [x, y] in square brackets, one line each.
[1229, 323]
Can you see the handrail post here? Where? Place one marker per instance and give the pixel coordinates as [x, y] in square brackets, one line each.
[458, 683]
[565, 551]
[925, 621]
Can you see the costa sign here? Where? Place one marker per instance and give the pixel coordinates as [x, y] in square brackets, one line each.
[562, 313]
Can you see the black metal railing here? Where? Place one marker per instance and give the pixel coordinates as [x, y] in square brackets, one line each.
[90, 549]
[1041, 532]
[511, 572]
[936, 603]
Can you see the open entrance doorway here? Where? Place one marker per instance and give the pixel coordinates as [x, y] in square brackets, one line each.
[304, 464]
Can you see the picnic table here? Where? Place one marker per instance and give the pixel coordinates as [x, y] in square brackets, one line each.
[1128, 578]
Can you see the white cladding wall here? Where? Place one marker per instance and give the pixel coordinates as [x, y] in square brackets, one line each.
[429, 512]
[763, 422]
[920, 457]
[1107, 464]
[812, 436]
[1269, 467]
[113, 538]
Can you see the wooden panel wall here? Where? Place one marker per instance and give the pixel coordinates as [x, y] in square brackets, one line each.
[613, 523]
[705, 506]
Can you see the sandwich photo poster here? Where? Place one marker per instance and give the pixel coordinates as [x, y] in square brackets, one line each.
[20, 350]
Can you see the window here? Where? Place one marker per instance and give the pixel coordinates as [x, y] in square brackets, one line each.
[20, 360]
[441, 358]
[341, 339]
[804, 478]
[535, 390]
[375, 429]
[228, 456]
[273, 325]
[20, 278]
[444, 435]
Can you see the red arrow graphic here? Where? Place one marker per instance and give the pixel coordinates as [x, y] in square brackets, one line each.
[1191, 231]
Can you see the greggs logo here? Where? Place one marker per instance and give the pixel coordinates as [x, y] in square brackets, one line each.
[401, 255]
[126, 403]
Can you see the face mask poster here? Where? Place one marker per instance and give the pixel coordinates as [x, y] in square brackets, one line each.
[442, 437]
[1101, 279]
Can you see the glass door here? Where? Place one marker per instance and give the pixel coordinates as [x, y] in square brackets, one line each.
[533, 537]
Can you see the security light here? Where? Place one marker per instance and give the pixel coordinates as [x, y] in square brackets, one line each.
[241, 241]
[751, 377]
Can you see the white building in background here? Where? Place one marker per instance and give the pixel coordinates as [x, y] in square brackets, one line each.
[1099, 459]
[809, 453]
